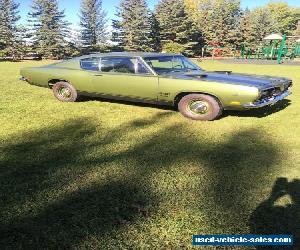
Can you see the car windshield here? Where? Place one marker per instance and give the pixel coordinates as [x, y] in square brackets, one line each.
[170, 64]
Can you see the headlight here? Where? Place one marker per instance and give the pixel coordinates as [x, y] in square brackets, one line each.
[264, 94]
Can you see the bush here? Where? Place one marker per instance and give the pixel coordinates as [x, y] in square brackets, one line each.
[172, 47]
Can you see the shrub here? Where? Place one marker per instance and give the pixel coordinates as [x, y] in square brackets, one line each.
[172, 47]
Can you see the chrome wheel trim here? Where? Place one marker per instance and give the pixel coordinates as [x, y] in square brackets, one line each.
[199, 107]
[65, 92]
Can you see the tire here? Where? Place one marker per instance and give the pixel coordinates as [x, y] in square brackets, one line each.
[64, 92]
[199, 107]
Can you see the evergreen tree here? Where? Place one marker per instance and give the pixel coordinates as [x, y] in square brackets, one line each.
[10, 40]
[177, 29]
[74, 43]
[132, 29]
[118, 35]
[48, 28]
[154, 36]
[93, 22]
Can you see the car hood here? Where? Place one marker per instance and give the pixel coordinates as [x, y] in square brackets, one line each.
[260, 82]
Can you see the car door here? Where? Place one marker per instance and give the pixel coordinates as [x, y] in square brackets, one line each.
[125, 78]
[89, 68]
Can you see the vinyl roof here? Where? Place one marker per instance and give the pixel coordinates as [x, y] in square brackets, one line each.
[130, 54]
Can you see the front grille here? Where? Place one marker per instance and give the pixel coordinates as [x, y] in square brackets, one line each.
[276, 91]
[269, 93]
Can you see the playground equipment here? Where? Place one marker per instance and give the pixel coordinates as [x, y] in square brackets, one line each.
[273, 47]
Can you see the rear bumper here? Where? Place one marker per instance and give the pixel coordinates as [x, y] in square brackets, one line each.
[267, 102]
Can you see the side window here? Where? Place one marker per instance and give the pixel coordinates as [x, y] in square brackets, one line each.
[142, 69]
[160, 63]
[90, 63]
[118, 64]
[125, 65]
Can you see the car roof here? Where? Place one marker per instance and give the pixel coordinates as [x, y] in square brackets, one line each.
[127, 54]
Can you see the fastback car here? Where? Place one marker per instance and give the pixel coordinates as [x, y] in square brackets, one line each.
[160, 79]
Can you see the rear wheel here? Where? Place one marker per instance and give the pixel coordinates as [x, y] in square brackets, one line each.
[64, 92]
[199, 107]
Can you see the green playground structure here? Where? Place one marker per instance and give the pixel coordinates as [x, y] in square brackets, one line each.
[274, 47]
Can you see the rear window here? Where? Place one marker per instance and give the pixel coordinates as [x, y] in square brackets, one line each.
[90, 63]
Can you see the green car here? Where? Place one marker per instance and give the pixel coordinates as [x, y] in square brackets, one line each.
[158, 78]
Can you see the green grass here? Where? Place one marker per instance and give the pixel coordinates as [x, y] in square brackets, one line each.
[104, 175]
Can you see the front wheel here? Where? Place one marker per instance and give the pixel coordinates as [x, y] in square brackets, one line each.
[64, 92]
[199, 107]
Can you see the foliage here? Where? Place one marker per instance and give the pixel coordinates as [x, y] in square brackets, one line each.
[133, 28]
[180, 25]
[286, 17]
[261, 24]
[48, 28]
[223, 22]
[221, 19]
[93, 22]
[154, 37]
[176, 26]
[297, 30]
[262, 21]
[248, 36]
[10, 33]
[71, 50]
[74, 43]
[226, 23]
[172, 47]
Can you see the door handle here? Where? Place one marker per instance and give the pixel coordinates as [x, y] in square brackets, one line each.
[97, 75]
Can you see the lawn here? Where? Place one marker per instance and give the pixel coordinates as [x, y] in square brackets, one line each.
[107, 175]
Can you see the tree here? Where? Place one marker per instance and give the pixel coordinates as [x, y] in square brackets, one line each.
[176, 26]
[133, 29]
[93, 23]
[224, 19]
[286, 17]
[172, 47]
[248, 37]
[218, 20]
[272, 18]
[10, 32]
[74, 43]
[262, 24]
[154, 36]
[297, 30]
[48, 28]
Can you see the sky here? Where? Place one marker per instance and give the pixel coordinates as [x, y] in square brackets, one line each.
[72, 7]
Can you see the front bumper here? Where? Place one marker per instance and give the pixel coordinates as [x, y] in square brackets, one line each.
[269, 101]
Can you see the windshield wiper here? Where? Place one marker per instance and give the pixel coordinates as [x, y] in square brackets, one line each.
[175, 70]
[182, 70]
